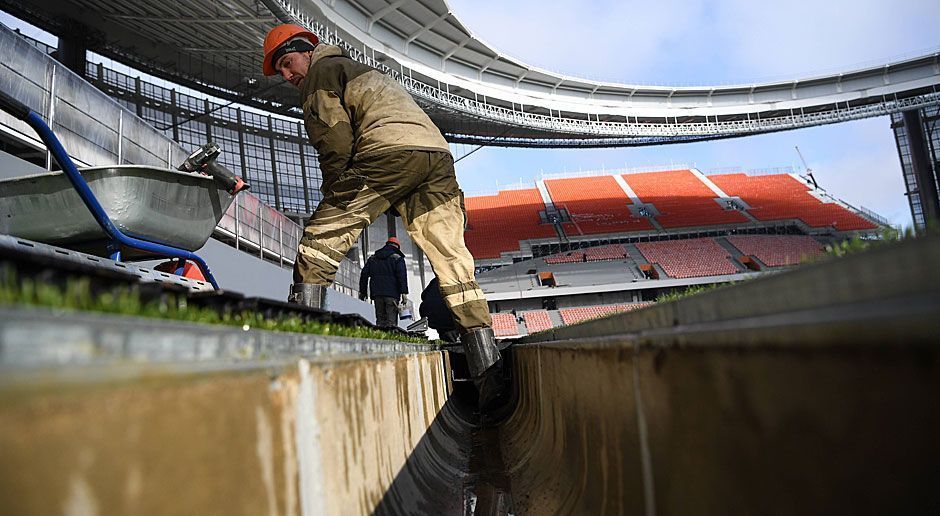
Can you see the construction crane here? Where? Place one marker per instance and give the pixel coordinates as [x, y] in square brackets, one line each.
[809, 171]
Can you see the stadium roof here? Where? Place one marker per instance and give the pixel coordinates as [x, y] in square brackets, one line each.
[474, 92]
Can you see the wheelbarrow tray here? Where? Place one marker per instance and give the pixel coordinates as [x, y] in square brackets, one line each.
[165, 206]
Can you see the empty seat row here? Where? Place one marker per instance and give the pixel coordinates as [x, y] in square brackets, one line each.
[574, 315]
[681, 199]
[505, 325]
[690, 258]
[537, 320]
[610, 252]
[496, 223]
[782, 196]
[596, 205]
[777, 250]
[569, 257]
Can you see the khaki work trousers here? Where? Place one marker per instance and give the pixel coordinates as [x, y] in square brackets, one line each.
[422, 187]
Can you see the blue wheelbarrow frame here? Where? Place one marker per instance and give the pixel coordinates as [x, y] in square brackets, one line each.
[117, 239]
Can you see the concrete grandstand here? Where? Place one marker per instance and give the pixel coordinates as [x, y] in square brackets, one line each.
[571, 248]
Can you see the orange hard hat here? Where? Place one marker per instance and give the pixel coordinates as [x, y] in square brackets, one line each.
[277, 37]
[393, 240]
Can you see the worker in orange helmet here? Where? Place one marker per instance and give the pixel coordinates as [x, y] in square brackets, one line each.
[378, 150]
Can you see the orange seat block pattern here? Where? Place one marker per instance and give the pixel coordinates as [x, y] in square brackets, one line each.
[777, 250]
[596, 205]
[609, 252]
[504, 325]
[537, 320]
[781, 196]
[574, 315]
[569, 257]
[690, 258]
[496, 223]
[681, 199]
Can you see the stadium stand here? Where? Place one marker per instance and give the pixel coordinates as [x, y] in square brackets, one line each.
[569, 257]
[596, 205]
[505, 325]
[610, 252]
[777, 250]
[781, 196]
[537, 320]
[574, 315]
[681, 199]
[498, 222]
[690, 258]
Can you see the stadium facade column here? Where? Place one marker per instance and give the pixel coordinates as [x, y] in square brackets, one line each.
[72, 50]
[923, 161]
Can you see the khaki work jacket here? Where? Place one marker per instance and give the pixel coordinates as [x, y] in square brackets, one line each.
[355, 113]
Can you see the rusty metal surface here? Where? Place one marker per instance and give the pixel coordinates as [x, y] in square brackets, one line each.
[160, 205]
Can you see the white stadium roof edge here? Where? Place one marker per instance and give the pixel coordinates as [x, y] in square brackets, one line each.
[474, 93]
[425, 36]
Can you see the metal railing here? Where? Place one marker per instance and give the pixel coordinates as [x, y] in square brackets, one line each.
[97, 130]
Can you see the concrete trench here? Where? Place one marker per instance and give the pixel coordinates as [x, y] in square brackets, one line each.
[144, 417]
[813, 399]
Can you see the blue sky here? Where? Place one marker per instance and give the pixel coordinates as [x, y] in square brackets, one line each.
[712, 42]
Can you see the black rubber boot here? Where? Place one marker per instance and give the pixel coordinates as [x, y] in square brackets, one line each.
[308, 294]
[486, 368]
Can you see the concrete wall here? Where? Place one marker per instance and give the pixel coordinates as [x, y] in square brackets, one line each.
[616, 430]
[806, 392]
[327, 434]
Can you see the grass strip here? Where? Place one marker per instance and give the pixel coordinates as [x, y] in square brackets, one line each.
[77, 295]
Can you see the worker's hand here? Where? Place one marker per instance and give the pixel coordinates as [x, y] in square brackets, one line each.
[362, 296]
[404, 299]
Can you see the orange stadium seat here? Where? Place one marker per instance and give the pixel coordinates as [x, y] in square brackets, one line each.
[596, 205]
[610, 252]
[537, 320]
[681, 199]
[690, 258]
[569, 257]
[505, 325]
[496, 223]
[781, 196]
[777, 250]
[574, 315]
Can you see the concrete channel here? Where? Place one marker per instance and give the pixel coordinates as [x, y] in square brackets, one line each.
[806, 392]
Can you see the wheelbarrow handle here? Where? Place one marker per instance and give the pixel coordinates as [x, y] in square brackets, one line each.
[13, 106]
[22, 112]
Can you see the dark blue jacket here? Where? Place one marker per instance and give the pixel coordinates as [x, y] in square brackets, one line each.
[386, 268]
[433, 307]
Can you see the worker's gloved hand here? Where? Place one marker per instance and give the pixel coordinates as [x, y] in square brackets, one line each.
[404, 299]
[362, 296]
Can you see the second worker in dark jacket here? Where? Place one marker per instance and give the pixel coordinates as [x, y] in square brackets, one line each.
[384, 279]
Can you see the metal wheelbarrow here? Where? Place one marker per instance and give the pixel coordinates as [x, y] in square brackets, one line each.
[151, 212]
